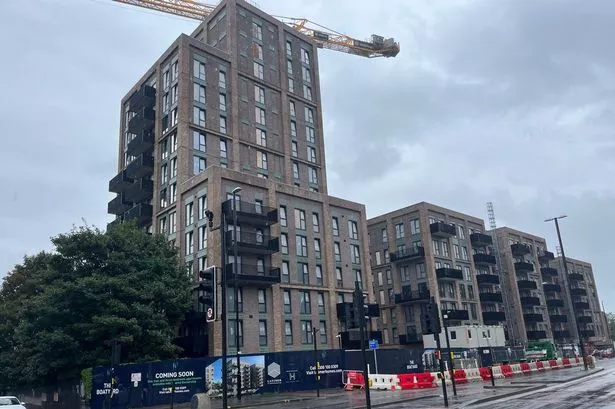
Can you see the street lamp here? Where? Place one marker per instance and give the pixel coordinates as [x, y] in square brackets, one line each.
[235, 272]
[567, 281]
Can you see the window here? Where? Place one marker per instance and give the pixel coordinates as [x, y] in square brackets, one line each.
[295, 170]
[222, 124]
[285, 272]
[436, 247]
[173, 195]
[305, 273]
[262, 332]
[199, 70]
[259, 94]
[172, 224]
[165, 80]
[310, 134]
[162, 225]
[199, 141]
[306, 75]
[309, 115]
[189, 243]
[283, 219]
[231, 300]
[318, 275]
[378, 259]
[358, 278]
[473, 313]
[223, 151]
[222, 79]
[300, 219]
[335, 226]
[262, 301]
[464, 253]
[389, 277]
[399, 231]
[307, 92]
[380, 281]
[258, 70]
[293, 111]
[174, 95]
[261, 137]
[258, 206]
[259, 115]
[445, 250]
[404, 273]
[233, 327]
[322, 330]
[387, 257]
[164, 174]
[420, 271]
[305, 57]
[174, 118]
[456, 250]
[305, 306]
[291, 85]
[466, 273]
[293, 145]
[470, 292]
[199, 93]
[174, 71]
[293, 129]
[202, 238]
[164, 149]
[461, 232]
[257, 31]
[321, 303]
[287, 302]
[337, 252]
[288, 332]
[353, 230]
[257, 51]
[189, 214]
[306, 332]
[173, 167]
[302, 246]
[355, 254]
[385, 238]
[311, 154]
[173, 143]
[289, 49]
[198, 116]
[284, 243]
[199, 165]
[317, 248]
[315, 223]
[289, 67]
[222, 99]
[339, 276]
[261, 160]
[165, 103]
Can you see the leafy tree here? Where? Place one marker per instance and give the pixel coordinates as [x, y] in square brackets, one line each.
[64, 309]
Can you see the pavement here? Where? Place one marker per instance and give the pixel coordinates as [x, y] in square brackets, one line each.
[561, 389]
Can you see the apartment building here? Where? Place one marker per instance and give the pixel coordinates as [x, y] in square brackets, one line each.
[237, 104]
[424, 251]
[583, 303]
[524, 267]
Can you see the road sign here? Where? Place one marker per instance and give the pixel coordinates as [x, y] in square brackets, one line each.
[373, 344]
[209, 315]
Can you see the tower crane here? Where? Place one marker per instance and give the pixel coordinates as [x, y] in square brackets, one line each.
[377, 46]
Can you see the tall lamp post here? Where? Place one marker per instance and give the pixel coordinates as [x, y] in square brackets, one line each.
[574, 315]
[235, 272]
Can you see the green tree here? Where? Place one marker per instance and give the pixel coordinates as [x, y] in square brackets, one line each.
[64, 308]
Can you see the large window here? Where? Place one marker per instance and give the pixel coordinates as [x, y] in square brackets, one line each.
[199, 93]
[315, 223]
[199, 165]
[262, 332]
[259, 115]
[287, 302]
[399, 231]
[283, 219]
[353, 230]
[198, 116]
[302, 246]
[335, 226]
[262, 301]
[259, 94]
[284, 243]
[234, 328]
[337, 252]
[355, 254]
[304, 273]
[261, 160]
[261, 137]
[199, 141]
[306, 332]
[199, 70]
[300, 219]
[288, 332]
[305, 306]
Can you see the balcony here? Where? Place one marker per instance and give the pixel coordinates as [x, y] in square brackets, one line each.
[536, 335]
[414, 252]
[576, 277]
[140, 167]
[487, 279]
[141, 213]
[578, 291]
[480, 240]
[441, 229]
[141, 143]
[561, 334]
[493, 316]
[143, 120]
[253, 214]
[585, 319]
[527, 284]
[119, 205]
[252, 274]
[490, 297]
[546, 256]
[558, 318]
[587, 333]
[555, 302]
[144, 97]
[580, 305]
[523, 267]
[410, 339]
[141, 190]
[456, 315]
[120, 182]
[529, 301]
[548, 271]
[448, 273]
[252, 243]
[552, 287]
[408, 296]
[481, 259]
[519, 249]
[532, 317]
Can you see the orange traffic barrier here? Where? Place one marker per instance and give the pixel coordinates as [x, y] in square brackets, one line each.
[485, 374]
[540, 366]
[406, 381]
[424, 380]
[507, 371]
[460, 376]
[525, 368]
[553, 364]
[354, 379]
[566, 362]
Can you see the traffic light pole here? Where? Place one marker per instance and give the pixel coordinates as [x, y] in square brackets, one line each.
[438, 347]
[359, 311]
[450, 354]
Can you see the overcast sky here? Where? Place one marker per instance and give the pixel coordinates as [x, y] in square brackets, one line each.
[509, 101]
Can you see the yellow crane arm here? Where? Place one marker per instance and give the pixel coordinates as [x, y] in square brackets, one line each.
[378, 46]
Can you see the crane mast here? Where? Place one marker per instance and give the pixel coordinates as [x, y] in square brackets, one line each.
[377, 46]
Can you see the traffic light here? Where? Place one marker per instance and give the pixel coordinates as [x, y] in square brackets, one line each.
[207, 292]
[430, 319]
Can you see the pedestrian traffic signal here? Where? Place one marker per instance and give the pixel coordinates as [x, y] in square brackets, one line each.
[430, 318]
[207, 292]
